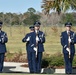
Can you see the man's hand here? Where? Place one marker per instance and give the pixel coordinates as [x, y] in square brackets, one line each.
[28, 39]
[35, 49]
[0, 40]
[68, 49]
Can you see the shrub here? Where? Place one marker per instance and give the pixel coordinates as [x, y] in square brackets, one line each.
[53, 60]
[45, 63]
[57, 61]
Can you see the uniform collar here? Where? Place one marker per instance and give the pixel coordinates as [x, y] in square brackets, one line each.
[36, 31]
[68, 31]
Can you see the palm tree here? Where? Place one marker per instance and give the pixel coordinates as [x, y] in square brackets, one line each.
[73, 4]
[58, 5]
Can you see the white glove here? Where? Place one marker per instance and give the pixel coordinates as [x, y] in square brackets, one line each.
[0, 40]
[28, 39]
[37, 39]
[35, 48]
[68, 49]
[69, 40]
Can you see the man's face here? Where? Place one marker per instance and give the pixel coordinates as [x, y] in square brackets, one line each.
[68, 28]
[37, 27]
[0, 27]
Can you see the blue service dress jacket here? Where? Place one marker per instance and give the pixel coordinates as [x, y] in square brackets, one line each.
[41, 37]
[27, 42]
[64, 41]
[3, 40]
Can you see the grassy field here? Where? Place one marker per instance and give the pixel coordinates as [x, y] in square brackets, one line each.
[16, 33]
[28, 74]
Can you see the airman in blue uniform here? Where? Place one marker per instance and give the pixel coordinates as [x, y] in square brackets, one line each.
[37, 47]
[29, 54]
[3, 40]
[68, 39]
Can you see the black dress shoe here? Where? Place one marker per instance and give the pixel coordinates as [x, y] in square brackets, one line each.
[31, 72]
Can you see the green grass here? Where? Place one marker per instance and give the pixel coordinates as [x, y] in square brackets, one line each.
[16, 33]
[28, 74]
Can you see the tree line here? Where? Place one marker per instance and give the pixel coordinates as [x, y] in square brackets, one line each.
[29, 17]
[26, 18]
